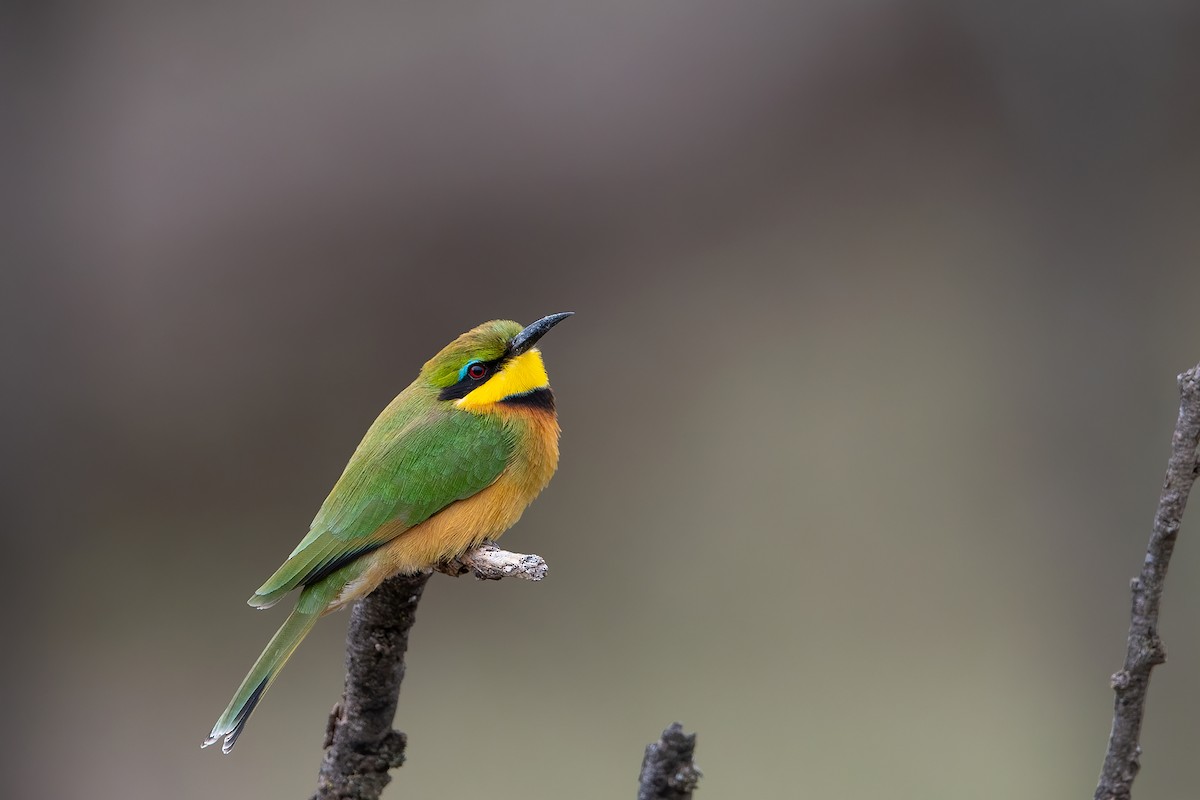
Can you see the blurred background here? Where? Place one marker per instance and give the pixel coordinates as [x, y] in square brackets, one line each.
[865, 407]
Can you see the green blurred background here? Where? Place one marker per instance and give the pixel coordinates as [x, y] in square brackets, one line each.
[865, 406]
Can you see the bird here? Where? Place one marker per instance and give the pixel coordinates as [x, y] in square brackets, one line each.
[452, 461]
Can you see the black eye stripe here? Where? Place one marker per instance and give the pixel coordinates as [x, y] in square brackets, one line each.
[468, 384]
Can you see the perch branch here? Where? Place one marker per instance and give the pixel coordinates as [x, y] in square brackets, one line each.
[1145, 649]
[360, 745]
[668, 771]
[490, 563]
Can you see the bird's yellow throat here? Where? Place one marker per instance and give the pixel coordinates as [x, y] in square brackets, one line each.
[522, 374]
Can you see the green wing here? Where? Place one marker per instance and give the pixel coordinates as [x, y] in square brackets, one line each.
[405, 471]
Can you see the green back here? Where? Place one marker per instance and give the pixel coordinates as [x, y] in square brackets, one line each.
[418, 457]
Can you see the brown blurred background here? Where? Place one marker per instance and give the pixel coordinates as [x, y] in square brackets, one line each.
[865, 407]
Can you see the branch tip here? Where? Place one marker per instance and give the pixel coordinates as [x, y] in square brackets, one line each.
[490, 563]
[668, 769]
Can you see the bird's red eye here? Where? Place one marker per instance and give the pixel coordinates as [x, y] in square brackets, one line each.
[477, 371]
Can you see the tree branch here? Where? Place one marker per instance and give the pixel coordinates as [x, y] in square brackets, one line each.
[360, 745]
[1145, 649]
[668, 771]
[490, 563]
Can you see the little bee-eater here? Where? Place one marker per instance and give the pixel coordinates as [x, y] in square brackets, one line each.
[452, 461]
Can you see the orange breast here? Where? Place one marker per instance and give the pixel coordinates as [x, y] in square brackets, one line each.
[484, 515]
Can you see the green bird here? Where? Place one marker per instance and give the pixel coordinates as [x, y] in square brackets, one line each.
[455, 459]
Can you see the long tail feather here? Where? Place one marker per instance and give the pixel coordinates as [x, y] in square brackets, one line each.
[313, 600]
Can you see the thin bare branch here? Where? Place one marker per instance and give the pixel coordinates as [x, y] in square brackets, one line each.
[1145, 649]
[490, 563]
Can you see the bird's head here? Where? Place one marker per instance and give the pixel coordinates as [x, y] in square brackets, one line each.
[495, 362]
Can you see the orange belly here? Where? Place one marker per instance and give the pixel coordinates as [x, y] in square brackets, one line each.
[465, 523]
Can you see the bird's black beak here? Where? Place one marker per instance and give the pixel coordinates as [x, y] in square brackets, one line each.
[527, 338]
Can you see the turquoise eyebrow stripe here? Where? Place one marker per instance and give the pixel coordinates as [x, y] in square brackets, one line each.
[462, 373]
